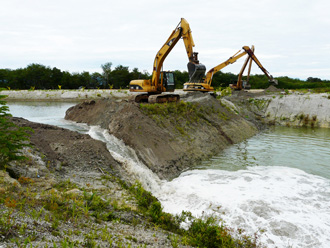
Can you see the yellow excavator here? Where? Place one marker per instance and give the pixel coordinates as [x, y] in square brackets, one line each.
[240, 84]
[204, 85]
[163, 81]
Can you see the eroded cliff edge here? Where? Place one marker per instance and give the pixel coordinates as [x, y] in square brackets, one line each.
[168, 138]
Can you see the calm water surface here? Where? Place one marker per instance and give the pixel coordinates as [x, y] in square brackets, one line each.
[303, 148]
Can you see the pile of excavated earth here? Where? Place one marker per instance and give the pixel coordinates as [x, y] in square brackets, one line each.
[65, 167]
[168, 142]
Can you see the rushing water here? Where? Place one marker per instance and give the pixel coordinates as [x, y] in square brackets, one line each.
[276, 183]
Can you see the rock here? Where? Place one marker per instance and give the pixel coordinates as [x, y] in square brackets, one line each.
[6, 181]
[74, 192]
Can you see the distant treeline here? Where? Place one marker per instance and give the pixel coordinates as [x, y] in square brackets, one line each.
[37, 76]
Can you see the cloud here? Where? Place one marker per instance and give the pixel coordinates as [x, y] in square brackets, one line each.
[84, 34]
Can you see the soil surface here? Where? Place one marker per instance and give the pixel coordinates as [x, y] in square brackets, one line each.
[71, 154]
[168, 143]
[70, 171]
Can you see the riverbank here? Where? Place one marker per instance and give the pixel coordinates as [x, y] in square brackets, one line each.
[284, 108]
[71, 192]
[62, 95]
[71, 163]
[311, 110]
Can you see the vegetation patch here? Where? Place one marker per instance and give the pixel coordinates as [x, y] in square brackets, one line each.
[12, 137]
[181, 115]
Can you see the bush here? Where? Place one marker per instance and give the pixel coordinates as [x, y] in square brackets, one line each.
[12, 137]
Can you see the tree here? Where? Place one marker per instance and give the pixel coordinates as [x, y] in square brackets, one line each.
[106, 72]
[313, 79]
[38, 76]
[180, 78]
[12, 137]
[120, 77]
[221, 79]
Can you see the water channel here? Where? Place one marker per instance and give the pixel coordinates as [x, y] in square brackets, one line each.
[276, 183]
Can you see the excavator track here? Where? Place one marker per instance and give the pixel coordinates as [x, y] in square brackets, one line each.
[158, 98]
[162, 98]
[140, 98]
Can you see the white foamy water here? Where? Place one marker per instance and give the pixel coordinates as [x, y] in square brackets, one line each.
[289, 205]
[128, 158]
[244, 186]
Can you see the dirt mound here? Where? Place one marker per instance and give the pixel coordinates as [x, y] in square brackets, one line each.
[272, 88]
[168, 138]
[68, 154]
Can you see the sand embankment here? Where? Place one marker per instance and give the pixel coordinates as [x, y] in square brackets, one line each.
[299, 109]
[62, 95]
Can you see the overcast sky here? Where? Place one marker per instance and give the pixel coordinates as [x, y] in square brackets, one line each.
[291, 37]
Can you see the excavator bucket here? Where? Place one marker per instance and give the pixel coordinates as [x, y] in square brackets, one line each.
[196, 72]
[273, 81]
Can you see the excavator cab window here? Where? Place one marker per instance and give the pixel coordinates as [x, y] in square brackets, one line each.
[168, 81]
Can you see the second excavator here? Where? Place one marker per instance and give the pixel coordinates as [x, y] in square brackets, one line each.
[204, 85]
[163, 81]
[240, 84]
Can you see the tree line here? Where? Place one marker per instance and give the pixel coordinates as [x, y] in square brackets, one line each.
[37, 76]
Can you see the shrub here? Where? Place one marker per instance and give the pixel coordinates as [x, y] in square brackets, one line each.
[12, 137]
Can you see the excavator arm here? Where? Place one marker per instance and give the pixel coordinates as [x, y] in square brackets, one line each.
[250, 52]
[251, 57]
[231, 60]
[196, 70]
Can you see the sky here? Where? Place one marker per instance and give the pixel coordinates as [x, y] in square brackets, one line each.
[291, 37]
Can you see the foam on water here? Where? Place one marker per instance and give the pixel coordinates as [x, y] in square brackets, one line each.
[289, 205]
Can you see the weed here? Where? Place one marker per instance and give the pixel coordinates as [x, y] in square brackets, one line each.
[174, 240]
[25, 180]
[301, 116]
[7, 224]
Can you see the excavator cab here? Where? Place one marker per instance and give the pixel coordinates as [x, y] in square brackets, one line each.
[167, 77]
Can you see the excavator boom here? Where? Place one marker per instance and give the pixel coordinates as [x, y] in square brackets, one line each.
[196, 70]
[254, 58]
